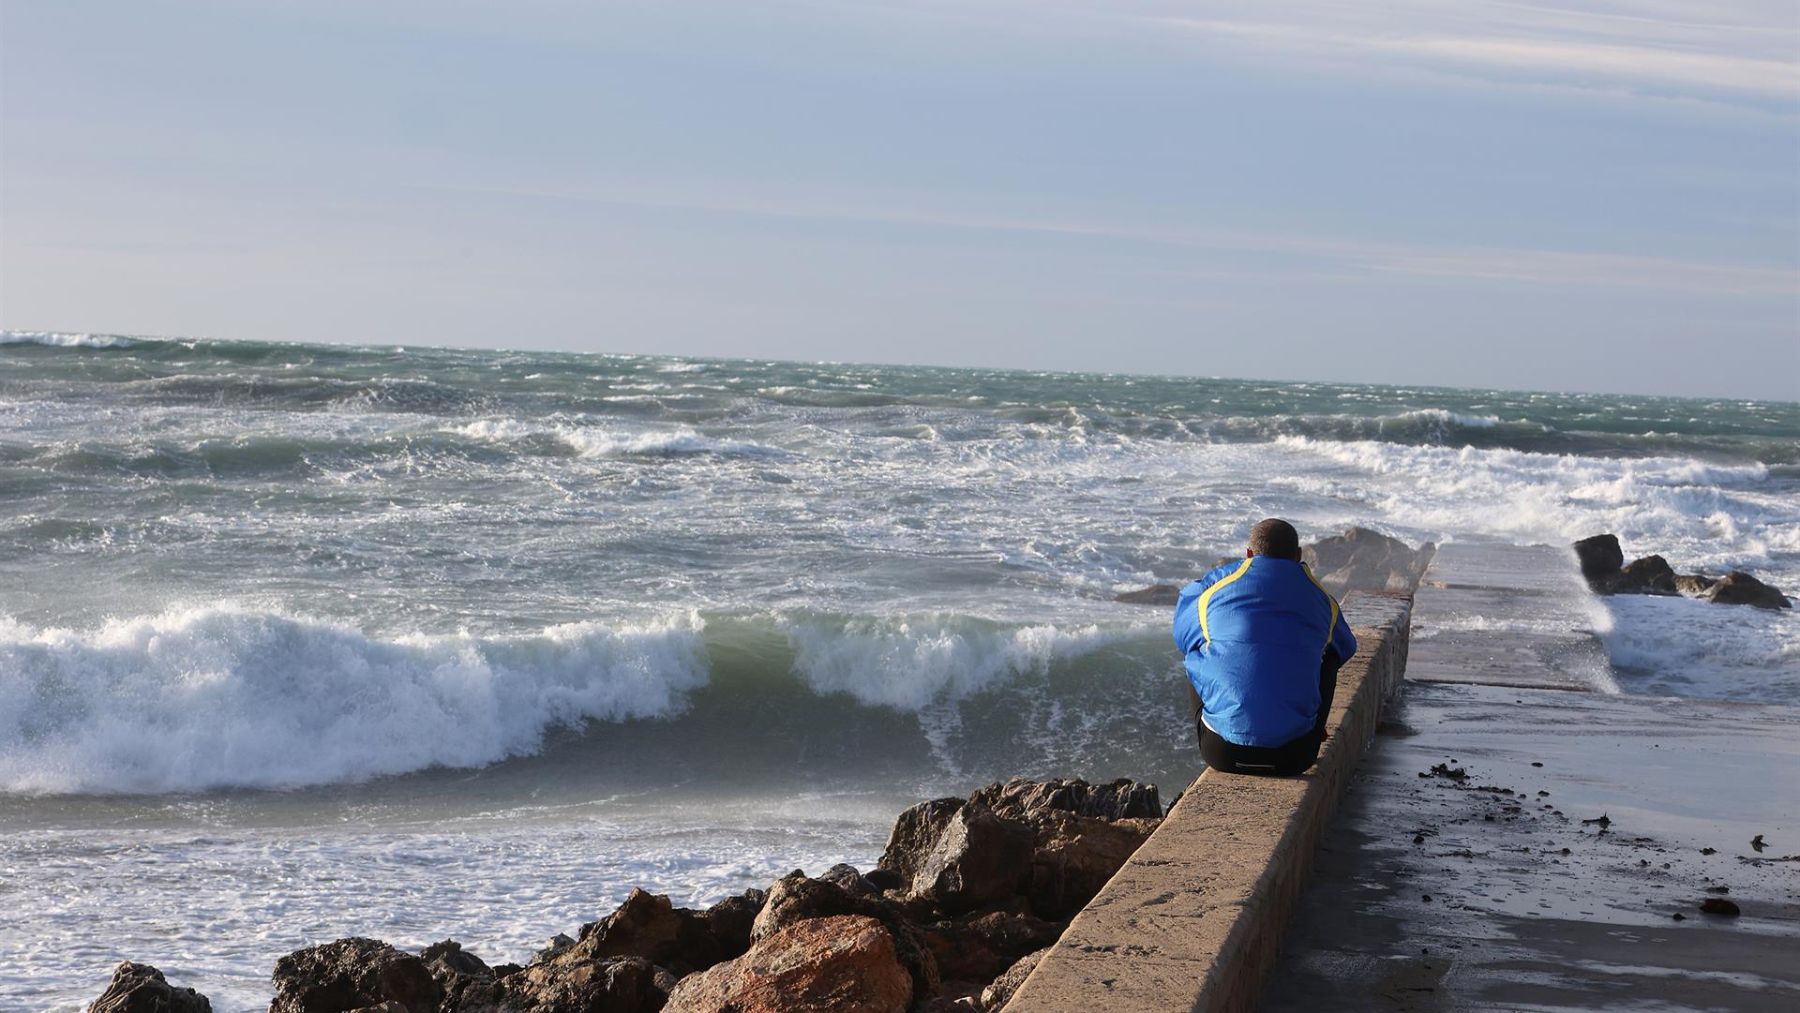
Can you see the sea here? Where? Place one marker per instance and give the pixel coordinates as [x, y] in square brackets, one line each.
[307, 641]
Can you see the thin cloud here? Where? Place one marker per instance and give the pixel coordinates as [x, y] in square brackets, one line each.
[1743, 51]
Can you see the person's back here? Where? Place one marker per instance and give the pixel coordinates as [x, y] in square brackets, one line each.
[1263, 642]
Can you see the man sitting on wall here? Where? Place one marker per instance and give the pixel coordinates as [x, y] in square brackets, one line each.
[1263, 642]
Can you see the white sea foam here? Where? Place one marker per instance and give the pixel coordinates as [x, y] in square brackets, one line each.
[1441, 416]
[602, 442]
[220, 696]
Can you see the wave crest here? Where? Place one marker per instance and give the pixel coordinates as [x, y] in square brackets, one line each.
[60, 339]
[218, 696]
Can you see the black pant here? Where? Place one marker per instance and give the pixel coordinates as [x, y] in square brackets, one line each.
[1291, 757]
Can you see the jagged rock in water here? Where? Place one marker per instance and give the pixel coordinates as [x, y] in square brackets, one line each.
[1601, 560]
[1739, 588]
[844, 962]
[350, 974]
[1155, 594]
[1649, 575]
[140, 988]
[997, 995]
[1693, 584]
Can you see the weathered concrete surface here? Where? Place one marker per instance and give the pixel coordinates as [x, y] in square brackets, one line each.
[1439, 894]
[1471, 584]
[1194, 919]
[1493, 565]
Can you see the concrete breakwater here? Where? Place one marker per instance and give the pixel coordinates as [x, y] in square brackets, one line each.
[1194, 918]
[1516, 836]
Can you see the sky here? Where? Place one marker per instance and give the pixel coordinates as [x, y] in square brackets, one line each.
[1600, 196]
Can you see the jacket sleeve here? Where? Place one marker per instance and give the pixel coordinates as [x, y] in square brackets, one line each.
[1342, 640]
[1187, 617]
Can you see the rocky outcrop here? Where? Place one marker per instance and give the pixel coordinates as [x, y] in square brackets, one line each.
[977, 948]
[1115, 800]
[1361, 559]
[978, 858]
[1692, 584]
[843, 962]
[797, 897]
[1649, 575]
[140, 988]
[568, 983]
[1739, 588]
[350, 974]
[1601, 559]
[1602, 565]
[1155, 594]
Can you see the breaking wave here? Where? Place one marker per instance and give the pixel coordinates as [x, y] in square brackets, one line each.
[221, 696]
[218, 696]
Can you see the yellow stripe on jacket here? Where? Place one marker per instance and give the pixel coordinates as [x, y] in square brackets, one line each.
[1329, 630]
[1206, 597]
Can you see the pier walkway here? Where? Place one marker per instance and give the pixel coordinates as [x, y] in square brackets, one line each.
[1509, 844]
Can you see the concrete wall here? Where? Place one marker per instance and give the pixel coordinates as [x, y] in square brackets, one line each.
[1194, 920]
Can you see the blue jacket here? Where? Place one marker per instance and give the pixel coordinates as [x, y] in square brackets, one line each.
[1254, 633]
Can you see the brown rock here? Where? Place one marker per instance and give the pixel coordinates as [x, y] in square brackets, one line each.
[1720, 906]
[352, 973]
[848, 879]
[731, 919]
[140, 988]
[998, 994]
[1601, 560]
[795, 898]
[1073, 857]
[1739, 588]
[1021, 799]
[1649, 575]
[978, 858]
[915, 833]
[571, 983]
[1692, 584]
[979, 947]
[833, 964]
[648, 925]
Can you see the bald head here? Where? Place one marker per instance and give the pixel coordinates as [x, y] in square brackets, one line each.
[1275, 537]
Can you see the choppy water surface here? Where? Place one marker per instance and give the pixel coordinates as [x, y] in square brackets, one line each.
[285, 629]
